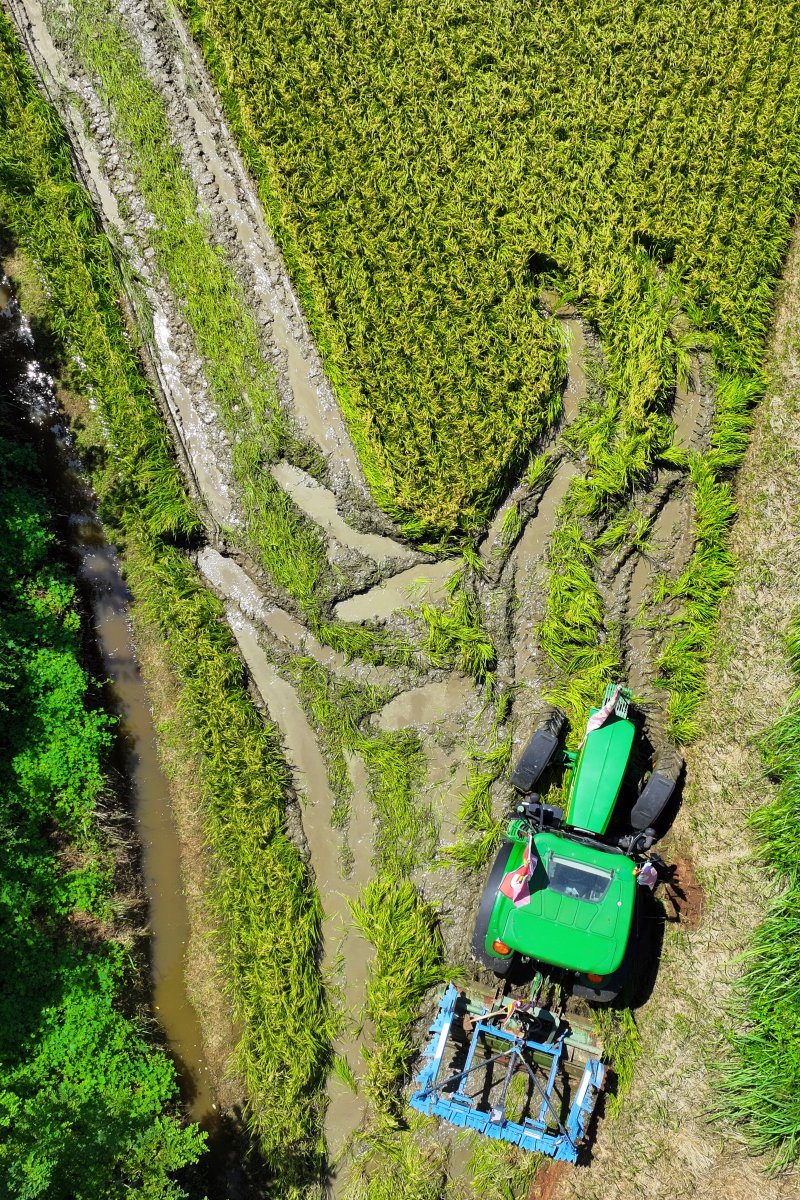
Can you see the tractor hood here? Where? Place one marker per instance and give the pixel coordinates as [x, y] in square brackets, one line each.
[580, 909]
[598, 774]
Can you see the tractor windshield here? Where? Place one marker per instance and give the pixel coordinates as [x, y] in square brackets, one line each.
[580, 880]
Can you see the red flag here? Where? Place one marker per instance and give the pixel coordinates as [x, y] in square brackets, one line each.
[516, 884]
[601, 716]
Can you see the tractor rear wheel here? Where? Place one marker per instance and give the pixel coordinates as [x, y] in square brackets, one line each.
[500, 966]
[540, 749]
[658, 789]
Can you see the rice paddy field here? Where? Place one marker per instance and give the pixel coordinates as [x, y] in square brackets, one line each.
[426, 365]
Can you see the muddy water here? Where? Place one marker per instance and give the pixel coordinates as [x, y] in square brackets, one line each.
[233, 582]
[361, 826]
[22, 377]
[427, 582]
[192, 430]
[161, 866]
[577, 385]
[446, 780]
[320, 504]
[426, 704]
[345, 954]
[529, 576]
[693, 407]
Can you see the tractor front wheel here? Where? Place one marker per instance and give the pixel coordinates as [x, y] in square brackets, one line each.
[500, 966]
[539, 751]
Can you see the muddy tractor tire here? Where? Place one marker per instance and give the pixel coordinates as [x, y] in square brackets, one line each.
[500, 966]
[538, 752]
[657, 791]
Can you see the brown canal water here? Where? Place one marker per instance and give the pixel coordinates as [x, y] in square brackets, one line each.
[161, 865]
[23, 379]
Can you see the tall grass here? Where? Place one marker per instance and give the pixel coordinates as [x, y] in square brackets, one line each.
[269, 914]
[759, 1088]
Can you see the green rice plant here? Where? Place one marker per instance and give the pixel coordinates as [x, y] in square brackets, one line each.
[498, 1171]
[630, 529]
[511, 528]
[406, 1164]
[409, 959]
[371, 643]
[337, 708]
[456, 635]
[621, 1046]
[758, 1086]
[343, 1071]
[476, 812]
[574, 615]
[406, 833]
[540, 470]
[698, 592]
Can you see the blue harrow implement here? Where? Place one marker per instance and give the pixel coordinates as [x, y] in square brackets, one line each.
[476, 1054]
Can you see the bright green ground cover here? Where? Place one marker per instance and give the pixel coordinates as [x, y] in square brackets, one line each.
[425, 166]
[87, 1104]
[269, 915]
[761, 1085]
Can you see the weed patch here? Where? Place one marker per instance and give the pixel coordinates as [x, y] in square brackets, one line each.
[88, 1102]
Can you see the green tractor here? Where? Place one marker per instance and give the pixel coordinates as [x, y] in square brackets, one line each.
[563, 890]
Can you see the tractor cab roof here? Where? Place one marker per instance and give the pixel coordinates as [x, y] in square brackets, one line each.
[598, 774]
[580, 908]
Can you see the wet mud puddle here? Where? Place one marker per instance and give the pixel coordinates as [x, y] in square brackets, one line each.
[109, 599]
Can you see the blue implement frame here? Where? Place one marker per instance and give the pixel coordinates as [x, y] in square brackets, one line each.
[448, 1099]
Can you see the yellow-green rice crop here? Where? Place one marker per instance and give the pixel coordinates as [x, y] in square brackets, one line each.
[425, 167]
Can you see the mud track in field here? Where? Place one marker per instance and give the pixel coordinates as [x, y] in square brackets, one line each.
[380, 577]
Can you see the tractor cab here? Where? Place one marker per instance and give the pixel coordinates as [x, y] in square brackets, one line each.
[560, 893]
